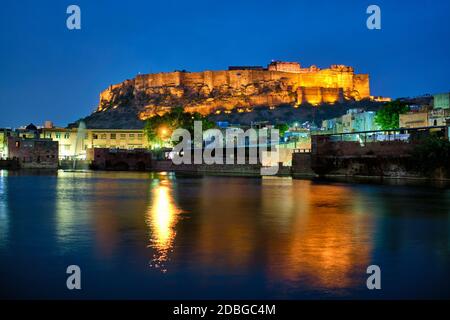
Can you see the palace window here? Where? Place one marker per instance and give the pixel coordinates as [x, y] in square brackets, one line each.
[58, 135]
[113, 136]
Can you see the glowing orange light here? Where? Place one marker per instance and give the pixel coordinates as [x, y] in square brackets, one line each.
[162, 218]
[163, 132]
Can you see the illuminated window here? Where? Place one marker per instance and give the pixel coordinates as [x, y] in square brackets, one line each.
[123, 136]
[131, 135]
[113, 136]
[103, 136]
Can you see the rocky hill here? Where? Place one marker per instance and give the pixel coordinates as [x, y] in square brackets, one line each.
[127, 104]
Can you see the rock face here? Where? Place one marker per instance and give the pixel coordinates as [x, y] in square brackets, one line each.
[282, 83]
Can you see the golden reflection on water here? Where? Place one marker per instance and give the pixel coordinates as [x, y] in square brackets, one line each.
[329, 242]
[228, 228]
[301, 233]
[305, 234]
[162, 217]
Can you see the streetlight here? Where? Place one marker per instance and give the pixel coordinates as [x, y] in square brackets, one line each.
[163, 132]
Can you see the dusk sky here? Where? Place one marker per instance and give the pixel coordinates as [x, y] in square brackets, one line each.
[51, 73]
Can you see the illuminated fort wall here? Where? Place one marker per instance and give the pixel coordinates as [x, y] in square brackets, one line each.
[280, 83]
[326, 78]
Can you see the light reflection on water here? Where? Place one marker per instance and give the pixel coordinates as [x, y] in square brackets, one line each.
[4, 211]
[304, 235]
[72, 212]
[328, 237]
[162, 218]
[218, 237]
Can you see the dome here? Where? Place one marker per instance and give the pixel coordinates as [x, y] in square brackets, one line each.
[31, 127]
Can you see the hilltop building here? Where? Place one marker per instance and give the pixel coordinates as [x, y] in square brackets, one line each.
[239, 87]
[292, 67]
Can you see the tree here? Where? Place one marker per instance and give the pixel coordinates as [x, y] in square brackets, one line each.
[282, 128]
[388, 116]
[159, 129]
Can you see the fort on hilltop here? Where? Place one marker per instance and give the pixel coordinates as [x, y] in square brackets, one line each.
[248, 87]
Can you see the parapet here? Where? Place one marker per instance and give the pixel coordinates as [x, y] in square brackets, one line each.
[283, 66]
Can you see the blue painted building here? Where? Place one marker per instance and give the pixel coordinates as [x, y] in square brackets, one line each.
[355, 120]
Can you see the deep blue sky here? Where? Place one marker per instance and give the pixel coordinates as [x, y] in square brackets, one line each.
[51, 73]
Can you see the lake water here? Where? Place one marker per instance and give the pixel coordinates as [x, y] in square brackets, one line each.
[161, 236]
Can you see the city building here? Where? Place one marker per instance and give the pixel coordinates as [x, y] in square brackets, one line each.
[364, 121]
[117, 139]
[67, 141]
[28, 132]
[4, 134]
[74, 142]
[424, 117]
[438, 117]
[33, 153]
[355, 120]
[413, 119]
[296, 133]
[441, 101]
[333, 125]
